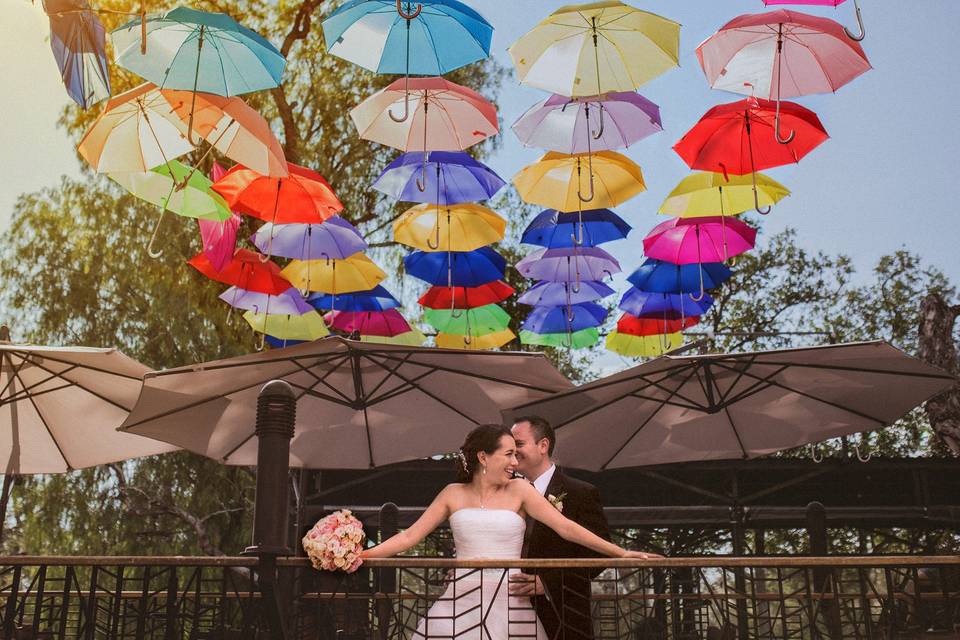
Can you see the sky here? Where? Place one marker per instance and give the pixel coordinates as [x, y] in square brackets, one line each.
[882, 181]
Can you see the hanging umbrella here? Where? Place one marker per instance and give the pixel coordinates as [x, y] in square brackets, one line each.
[375, 299]
[456, 269]
[412, 338]
[672, 305]
[697, 240]
[359, 405]
[333, 238]
[219, 238]
[564, 181]
[477, 321]
[174, 187]
[595, 48]
[553, 294]
[664, 277]
[652, 325]
[245, 270]
[572, 264]
[438, 297]
[829, 3]
[198, 51]
[575, 125]
[388, 323]
[305, 326]
[781, 54]
[642, 346]
[737, 405]
[461, 227]
[78, 41]
[474, 342]
[582, 339]
[706, 193]
[553, 229]
[448, 177]
[288, 302]
[738, 138]
[277, 343]
[356, 273]
[565, 319]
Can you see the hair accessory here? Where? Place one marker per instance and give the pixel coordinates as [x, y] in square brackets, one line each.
[463, 460]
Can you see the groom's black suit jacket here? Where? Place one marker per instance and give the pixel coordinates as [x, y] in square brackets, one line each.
[565, 615]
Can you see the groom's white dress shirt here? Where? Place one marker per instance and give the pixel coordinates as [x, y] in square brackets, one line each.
[543, 481]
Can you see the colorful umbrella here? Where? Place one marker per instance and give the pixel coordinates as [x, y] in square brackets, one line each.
[595, 48]
[696, 240]
[642, 346]
[738, 138]
[375, 299]
[565, 124]
[709, 194]
[572, 264]
[553, 229]
[658, 276]
[334, 238]
[564, 319]
[219, 238]
[78, 40]
[277, 343]
[577, 340]
[438, 297]
[356, 273]
[412, 338]
[246, 271]
[558, 180]
[461, 227]
[288, 302]
[474, 342]
[450, 177]
[781, 54]
[477, 321]
[456, 269]
[672, 305]
[651, 326]
[553, 294]
[830, 3]
[306, 326]
[386, 323]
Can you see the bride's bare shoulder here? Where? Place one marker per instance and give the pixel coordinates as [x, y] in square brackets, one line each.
[519, 485]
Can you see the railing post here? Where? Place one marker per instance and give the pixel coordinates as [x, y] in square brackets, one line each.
[822, 576]
[276, 417]
[386, 579]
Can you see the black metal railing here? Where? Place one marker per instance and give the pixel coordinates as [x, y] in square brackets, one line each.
[678, 599]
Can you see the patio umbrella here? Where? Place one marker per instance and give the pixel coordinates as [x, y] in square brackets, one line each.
[438, 297]
[460, 227]
[642, 346]
[304, 326]
[598, 47]
[674, 305]
[355, 273]
[737, 405]
[582, 339]
[561, 293]
[829, 3]
[78, 41]
[698, 240]
[448, 177]
[388, 323]
[474, 342]
[566, 181]
[359, 405]
[706, 193]
[245, 270]
[375, 299]
[554, 229]
[333, 238]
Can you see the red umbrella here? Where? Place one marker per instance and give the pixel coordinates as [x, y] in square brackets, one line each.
[466, 297]
[740, 138]
[387, 323]
[653, 325]
[246, 270]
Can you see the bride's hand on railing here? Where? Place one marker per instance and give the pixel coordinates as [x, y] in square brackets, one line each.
[642, 555]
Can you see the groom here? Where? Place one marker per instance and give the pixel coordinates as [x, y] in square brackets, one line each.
[561, 597]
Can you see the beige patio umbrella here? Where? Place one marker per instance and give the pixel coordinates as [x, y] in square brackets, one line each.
[359, 404]
[735, 405]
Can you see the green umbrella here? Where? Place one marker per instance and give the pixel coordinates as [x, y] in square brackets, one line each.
[576, 340]
[477, 321]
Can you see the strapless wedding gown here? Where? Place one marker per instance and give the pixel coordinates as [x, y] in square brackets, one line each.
[480, 608]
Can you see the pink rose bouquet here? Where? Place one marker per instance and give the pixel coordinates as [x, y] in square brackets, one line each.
[335, 542]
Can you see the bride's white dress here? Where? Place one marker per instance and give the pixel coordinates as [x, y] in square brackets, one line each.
[477, 605]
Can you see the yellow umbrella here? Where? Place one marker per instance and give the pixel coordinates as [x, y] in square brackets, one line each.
[412, 338]
[642, 346]
[355, 273]
[566, 182]
[474, 343]
[461, 227]
[713, 194]
[308, 326]
[594, 48]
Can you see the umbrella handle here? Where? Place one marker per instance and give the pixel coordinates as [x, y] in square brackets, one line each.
[568, 341]
[429, 240]
[590, 169]
[776, 128]
[422, 178]
[815, 455]
[574, 237]
[261, 342]
[756, 198]
[153, 237]
[599, 132]
[265, 258]
[860, 456]
[408, 16]
[406, 110]
[863, 33]
[702, 291]
[406, 75]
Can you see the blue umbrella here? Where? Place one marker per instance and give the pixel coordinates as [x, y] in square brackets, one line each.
[564, 319]
[277, 343]
[449, 177]
[562, 293]
[664, 277]
[376, 299]
[553, 229]
[671, 305]
[456, 268]
[78, 40]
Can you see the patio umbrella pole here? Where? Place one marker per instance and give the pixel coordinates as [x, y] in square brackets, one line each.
[8, 477]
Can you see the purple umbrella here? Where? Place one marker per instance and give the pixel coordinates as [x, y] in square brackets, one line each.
[564, 319]
[670, 305]
[580, 125]
[77, 38]
[289, 302]
[334, 238]
[452, 177]
[569, 264]
[561, 293]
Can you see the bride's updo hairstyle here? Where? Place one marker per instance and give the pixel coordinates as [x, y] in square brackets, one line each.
[484, 438]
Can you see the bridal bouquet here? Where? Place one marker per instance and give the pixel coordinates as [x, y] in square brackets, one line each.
[335, 542]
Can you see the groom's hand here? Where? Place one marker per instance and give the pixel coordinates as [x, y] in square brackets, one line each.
[524, 584]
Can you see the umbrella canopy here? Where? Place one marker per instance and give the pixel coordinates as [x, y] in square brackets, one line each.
[566, 182]
[689, 240]
[672, 305]
[159, 186]
[563, 319]
[441, 35]
[737, 405]
[333, 238]
[388, 323]
[594, 48]
[594, 123]
[447, 177]
[289, 302]
[642, 346]
[477, 321]
[375, 299]
[60, 407]
[705, 193]
[303, 196]
[664, 277]
[304, 326]
[356, 273]
[577, 340]
[438, 297]
[456, 269]
[412, 338]
[460, 227]
[573, 264]
[219, 237]
[485, 342]
[562, 293]
[78, 41]
[245, 270]
[360, 405]
[652, 325]
[554, 229]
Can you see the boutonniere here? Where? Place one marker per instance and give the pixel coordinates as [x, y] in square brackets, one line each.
[557, 501]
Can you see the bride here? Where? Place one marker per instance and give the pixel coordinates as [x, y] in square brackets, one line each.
[487, 509]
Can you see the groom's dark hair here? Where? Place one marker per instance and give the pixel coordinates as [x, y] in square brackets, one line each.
[541, 429]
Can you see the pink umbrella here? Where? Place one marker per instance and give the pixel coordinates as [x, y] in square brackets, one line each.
[828, 3]
[219, 238]
[698, 240]
[781, 54]
[387, 323]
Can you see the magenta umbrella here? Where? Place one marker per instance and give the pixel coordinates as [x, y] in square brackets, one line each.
[387, 323]
[828, 3]
[219, 238]
[698, 240]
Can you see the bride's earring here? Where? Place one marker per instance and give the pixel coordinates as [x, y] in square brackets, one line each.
[484, 470]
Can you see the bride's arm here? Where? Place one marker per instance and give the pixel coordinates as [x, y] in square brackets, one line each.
[436, 513]
[540, 508]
